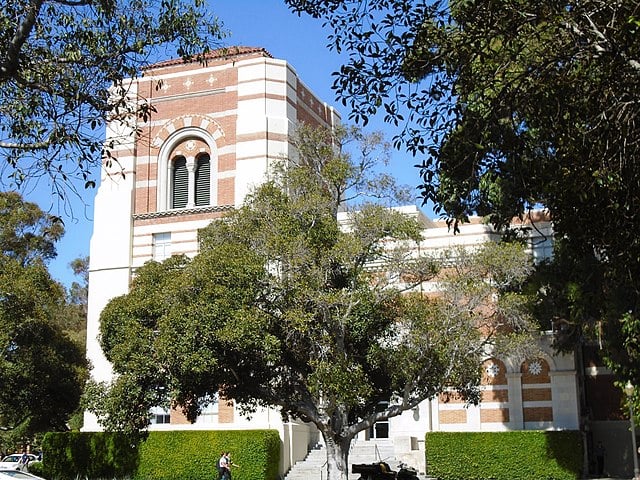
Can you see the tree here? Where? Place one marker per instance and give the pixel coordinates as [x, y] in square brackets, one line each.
[305, 299]
[27, 234]
[510, 105]
[74, 319]
[63, 65]
[42, 371]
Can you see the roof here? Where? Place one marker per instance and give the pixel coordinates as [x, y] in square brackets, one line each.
[219, 53]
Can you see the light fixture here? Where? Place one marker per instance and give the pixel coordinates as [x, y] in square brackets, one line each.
[628, 390]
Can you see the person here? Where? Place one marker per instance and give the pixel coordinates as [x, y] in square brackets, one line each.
[24, 461]
[223, 467]
[600, 453]
[229, 465]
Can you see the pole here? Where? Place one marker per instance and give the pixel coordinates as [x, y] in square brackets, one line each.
[634, 453]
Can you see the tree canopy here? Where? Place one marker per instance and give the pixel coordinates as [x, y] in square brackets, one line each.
[27, 234]
[509, 105]
[42, 371]
[62, 65]
[307, 302]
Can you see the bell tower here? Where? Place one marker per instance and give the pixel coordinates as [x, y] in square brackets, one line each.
[213, 131]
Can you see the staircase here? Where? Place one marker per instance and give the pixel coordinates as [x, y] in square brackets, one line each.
[314, 466]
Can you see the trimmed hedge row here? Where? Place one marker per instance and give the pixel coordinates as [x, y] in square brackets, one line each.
[516, 455]
[187, 455]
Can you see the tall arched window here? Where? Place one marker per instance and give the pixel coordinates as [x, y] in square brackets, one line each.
[187, 167]
[180, 183]
[203, 180]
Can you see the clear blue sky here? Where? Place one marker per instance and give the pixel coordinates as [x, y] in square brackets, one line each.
[258, 23]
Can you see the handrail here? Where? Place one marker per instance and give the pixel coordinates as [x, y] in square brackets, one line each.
[322, 469]
[376, 452]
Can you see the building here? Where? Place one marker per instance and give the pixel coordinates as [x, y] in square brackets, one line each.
[216, 128]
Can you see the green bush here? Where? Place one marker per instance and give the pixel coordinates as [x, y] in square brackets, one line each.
[187, 455]
[193, 455]
[36, 468]
[517, 455]
[68, 455]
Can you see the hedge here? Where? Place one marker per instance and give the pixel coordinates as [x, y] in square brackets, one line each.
[517, 455]
[187, 455]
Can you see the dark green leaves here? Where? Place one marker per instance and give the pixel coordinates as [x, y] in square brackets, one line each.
[63, 69]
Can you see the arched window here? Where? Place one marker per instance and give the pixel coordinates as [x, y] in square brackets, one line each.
[187, 165]
[203, 180]
[180, 183]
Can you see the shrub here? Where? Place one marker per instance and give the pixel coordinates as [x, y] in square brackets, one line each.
[518, 455]
[188, 455]
[36, 468]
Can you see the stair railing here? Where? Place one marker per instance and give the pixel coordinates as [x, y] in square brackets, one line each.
[323, 468]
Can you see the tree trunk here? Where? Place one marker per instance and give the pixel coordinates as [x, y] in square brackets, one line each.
[337, 458]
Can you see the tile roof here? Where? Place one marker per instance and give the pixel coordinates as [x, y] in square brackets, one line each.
[219, 53]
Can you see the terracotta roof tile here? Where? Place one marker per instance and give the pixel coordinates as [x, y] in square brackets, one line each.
[226, 52]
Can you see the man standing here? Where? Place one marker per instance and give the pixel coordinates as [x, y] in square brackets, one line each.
[23, 463]
[223, 467]
[600, 454]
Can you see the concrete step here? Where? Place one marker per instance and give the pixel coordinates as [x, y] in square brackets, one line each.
[314, 466]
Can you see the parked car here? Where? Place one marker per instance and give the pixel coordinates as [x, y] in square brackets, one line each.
[17, 474]
[12, 462]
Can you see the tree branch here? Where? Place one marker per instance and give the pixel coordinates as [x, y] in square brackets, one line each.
[10, 64]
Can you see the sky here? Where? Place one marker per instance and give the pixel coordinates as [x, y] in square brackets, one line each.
[301, 41]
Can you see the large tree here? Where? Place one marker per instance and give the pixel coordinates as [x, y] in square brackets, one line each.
[305, 299]
[42, 371]
[62, 65]
[512, 104]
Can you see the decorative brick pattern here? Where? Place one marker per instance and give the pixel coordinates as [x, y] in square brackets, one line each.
[536, 394]
[535, 371]
[177, 416]
[494, 372]
[225, 411]
[204, 122]
[501, 396]
[453, 416]
[538, 414]
[494, 415]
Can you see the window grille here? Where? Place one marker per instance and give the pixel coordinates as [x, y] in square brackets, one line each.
[202, 184]
[180, 183]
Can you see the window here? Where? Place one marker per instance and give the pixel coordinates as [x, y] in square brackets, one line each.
[209, 412]
[161, 246]
[203, 180]
[188, 191]
[180, 183]
[187, 168]
[160, 415]
[380, 429]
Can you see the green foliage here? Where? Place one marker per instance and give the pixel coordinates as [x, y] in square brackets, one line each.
[522, 455]
[194, 455]
[73, 319]
[90, 455]
[42, 371]
[63, 69]
[37, 468]
[27, 234]
[509, 105]
[188, 455]
[296, 301]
